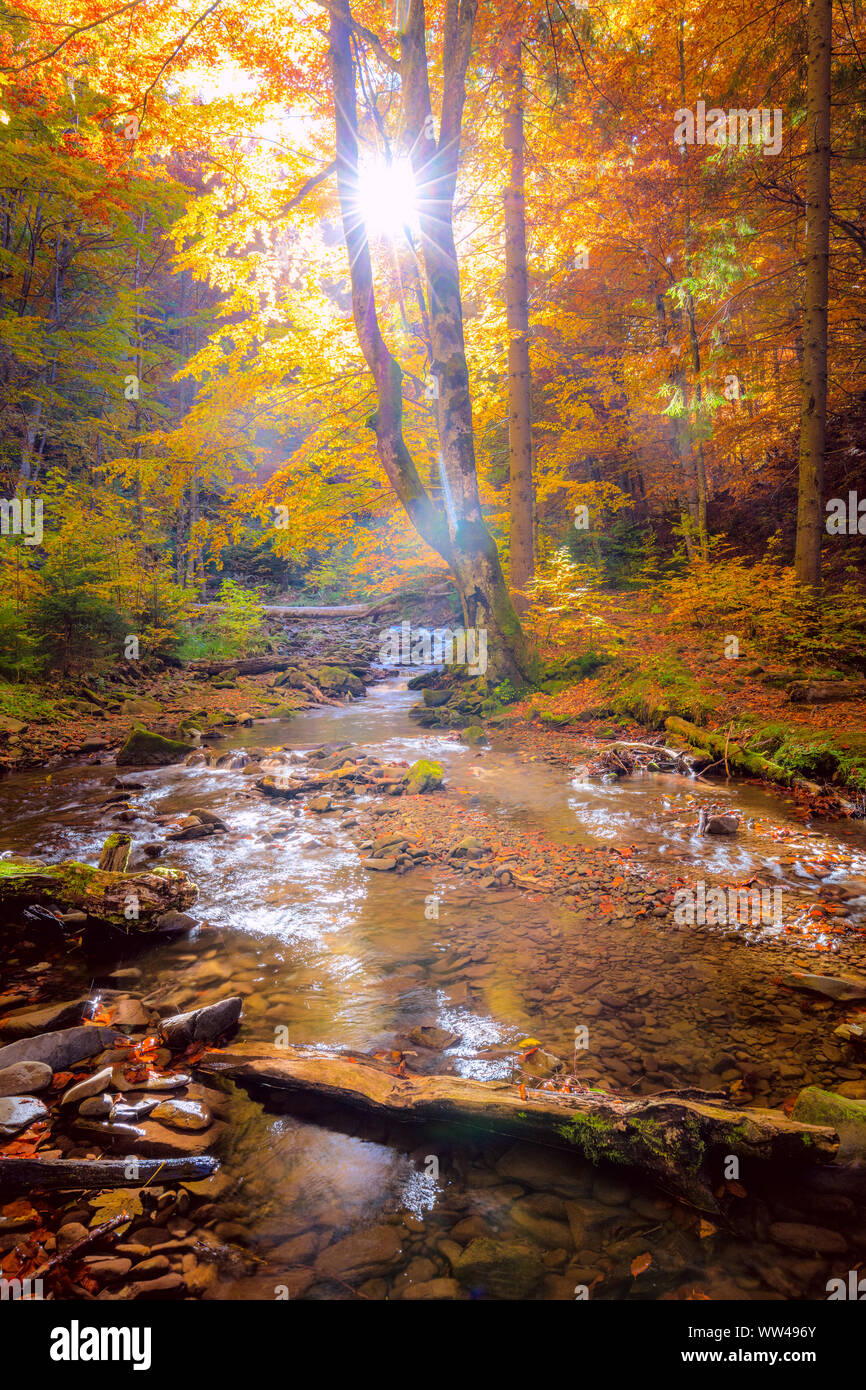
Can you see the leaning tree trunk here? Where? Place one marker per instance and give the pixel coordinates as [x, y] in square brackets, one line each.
[521, 492]
[813, 408]
[459, 534]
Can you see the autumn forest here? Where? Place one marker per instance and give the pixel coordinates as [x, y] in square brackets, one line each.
[432, 675]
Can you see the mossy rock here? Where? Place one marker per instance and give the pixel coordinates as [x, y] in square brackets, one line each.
[146, 749]
[423, 776]
[336, 680]
[558, 720]
[847, 1117]
[474, 735]
[283, 711]
[140, 707]
[434, 698]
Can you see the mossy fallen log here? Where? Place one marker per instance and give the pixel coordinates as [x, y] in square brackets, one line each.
[680, 1138]
[738, 760]
[131, 902]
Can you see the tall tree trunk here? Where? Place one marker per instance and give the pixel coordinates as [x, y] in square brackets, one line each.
[460, 536]
[813, 410]
[521, 491]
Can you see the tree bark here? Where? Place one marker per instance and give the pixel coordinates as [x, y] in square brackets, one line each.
[459, 534]
[813, 408]
[679, 1137]
[521, 489]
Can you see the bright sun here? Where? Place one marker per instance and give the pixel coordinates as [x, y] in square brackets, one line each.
[386, 196]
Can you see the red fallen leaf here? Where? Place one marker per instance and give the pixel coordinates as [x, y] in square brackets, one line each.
[350, 1059]
[640, 1264]
[788, 1104]
[736, 1188]
[61, 1079]
[522, 1089]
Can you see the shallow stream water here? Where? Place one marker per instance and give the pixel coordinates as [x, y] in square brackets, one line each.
[326, 953]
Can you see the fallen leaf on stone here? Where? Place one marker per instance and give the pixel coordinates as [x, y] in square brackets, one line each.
[640, 1264]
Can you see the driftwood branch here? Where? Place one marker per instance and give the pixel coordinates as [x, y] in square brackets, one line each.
[82, 1175]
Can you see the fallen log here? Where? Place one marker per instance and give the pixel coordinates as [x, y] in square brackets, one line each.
[680, 1138]
[243, 666]
[80, 1175]
[747, 764]
[118, 899]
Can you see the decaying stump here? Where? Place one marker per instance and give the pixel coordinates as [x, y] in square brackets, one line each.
[680, 1138]
[115, 853]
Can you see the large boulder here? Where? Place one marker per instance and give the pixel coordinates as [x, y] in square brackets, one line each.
[146, 749]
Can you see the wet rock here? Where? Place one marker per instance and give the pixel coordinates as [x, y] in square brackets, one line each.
[722, 823]
[382, 865]
[846, 1116]
[90, 1086]
[158, 1141]
[201, 1025]
[156, 1081]
[130, 1013]
[18, 1112]
[24, 1077]
[840, 987]
[69, 1234]
[173, 921]
[367, 1253]
[499, 1269]
[423, 776]
[26, 1023]
[18, 1216]
[810, 1239]
[168, 1285]
[428, 1035]
[321, 804]
[183, 1114]
[59, 1050]
[434, 1290]
[145, 749]
[105, 1268]
[96, 1107]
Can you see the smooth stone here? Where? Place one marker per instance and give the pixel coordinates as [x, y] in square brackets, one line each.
[368, 1252]
[183, 1114]
[201, 1025]
[23, 1078]
[59, 1050]
[95, 1107]
[833, 987]
[19, 1112]
[91, 1086]
[27, 1023]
